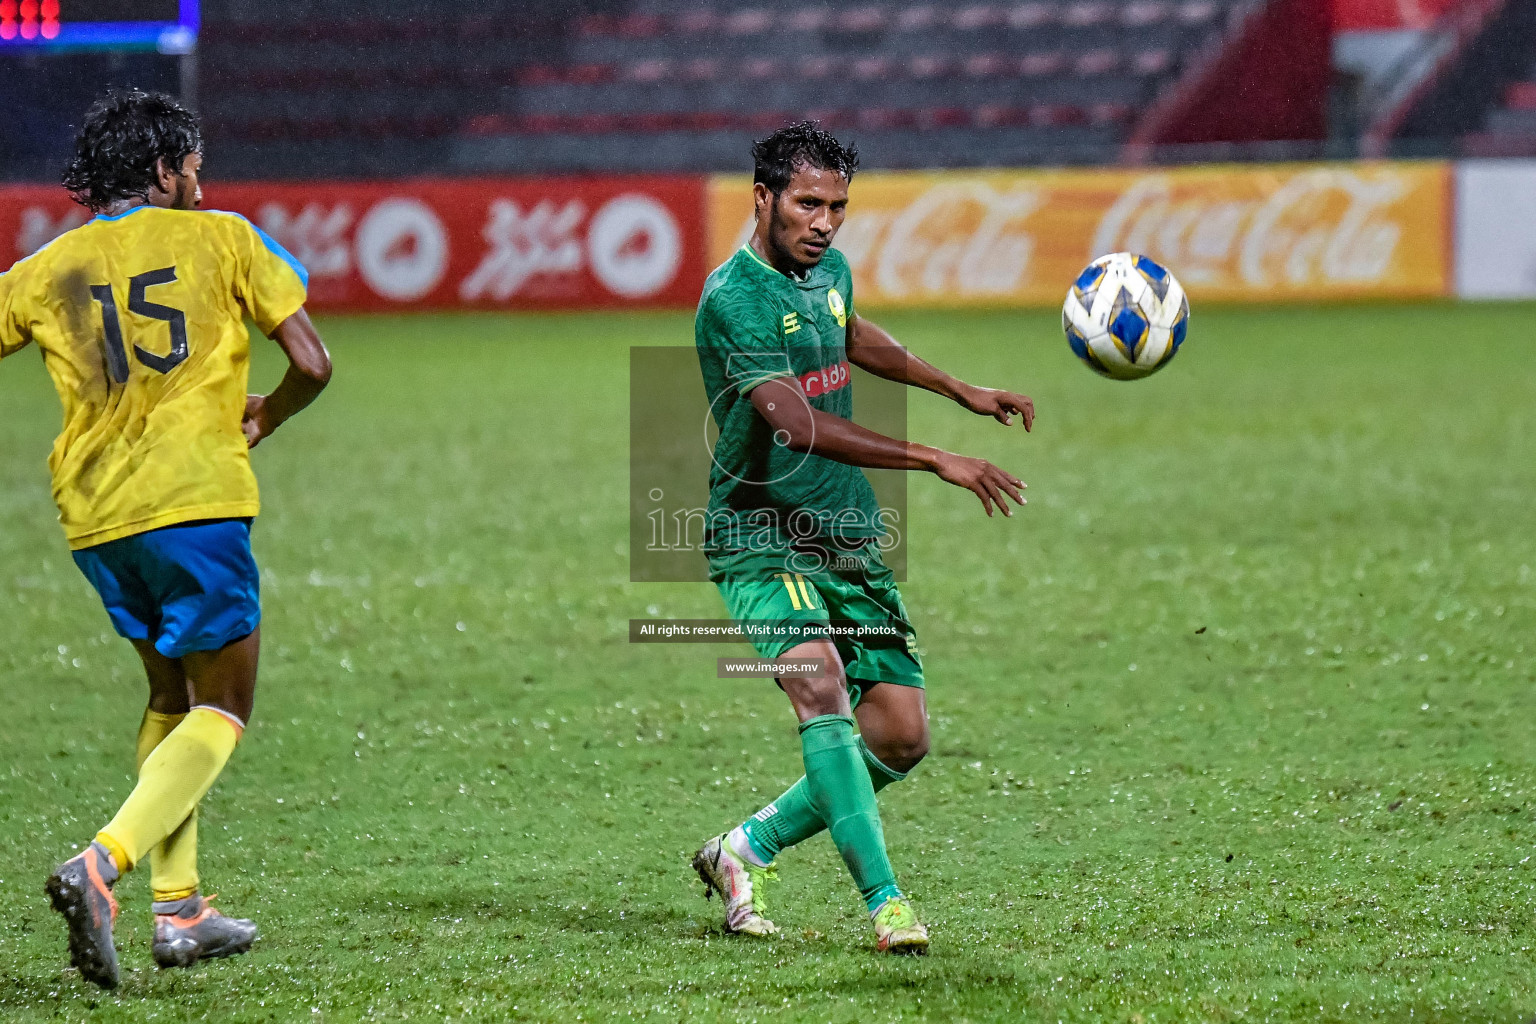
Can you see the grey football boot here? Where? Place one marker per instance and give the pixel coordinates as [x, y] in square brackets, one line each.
[81, 891]
[190, 930]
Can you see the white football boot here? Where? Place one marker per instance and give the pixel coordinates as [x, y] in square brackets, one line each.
[740, 885]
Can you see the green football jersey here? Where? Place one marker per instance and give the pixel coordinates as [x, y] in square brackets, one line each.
[755, 324]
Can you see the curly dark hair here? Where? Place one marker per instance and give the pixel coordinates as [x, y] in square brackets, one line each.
[124, 134]
[802, 144]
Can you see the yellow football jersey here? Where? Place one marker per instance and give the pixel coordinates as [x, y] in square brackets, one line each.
[140, 318]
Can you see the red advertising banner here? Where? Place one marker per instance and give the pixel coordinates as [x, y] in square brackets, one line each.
[535, 243]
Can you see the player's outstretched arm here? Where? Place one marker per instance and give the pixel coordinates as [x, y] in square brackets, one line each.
[871, 348]
[309, 371]
[803, 428]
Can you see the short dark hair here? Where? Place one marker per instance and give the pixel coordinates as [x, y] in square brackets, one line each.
[123, 136]
[802, 144]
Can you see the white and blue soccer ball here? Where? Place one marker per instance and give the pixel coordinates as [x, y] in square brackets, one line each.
[1125, 316]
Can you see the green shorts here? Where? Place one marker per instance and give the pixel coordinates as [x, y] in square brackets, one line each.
[854, 592]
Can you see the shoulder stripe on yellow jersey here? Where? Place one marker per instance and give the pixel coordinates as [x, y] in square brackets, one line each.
[272, 245]
[125, 213]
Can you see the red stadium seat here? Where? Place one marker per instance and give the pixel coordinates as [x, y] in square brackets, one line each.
[862, 19]
[696, 22]
[703, 69]
[765, 121]
[648, 71]
[1056, 114]
[1083, 14]
[640, 26]
[597, 25]
[489, 124]
[930, 67]
[1521, 96]
[988, 65]
[867, 69]
[1152, 62]
[1198, 12]
[1108, 113]
[761, 68]
[1143, 12]
[999, 115]
[539, 74]
[831, 118]
[809, 19]
[708, 121]
[979, 16]
[884, 118]
[536, 124]
[750, 22]
[1032, 15]
[918, 18]
[652, 122]
[589, 74]
[593, 124]
[1096, 62]
[818, 67]
[943, 117]
[1036, 65]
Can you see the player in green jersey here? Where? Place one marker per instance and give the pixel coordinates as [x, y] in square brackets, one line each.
[795, 531]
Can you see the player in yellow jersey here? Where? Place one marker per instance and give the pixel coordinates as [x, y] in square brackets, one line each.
[139, 314]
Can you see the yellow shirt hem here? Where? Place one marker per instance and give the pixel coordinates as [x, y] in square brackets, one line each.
[223, 510]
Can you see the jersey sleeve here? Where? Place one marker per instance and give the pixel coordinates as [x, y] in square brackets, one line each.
[270, 283]
[14, 334]
[745, 332]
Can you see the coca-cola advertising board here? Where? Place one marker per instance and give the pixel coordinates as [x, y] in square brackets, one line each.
[486, 243]
[1298, 232]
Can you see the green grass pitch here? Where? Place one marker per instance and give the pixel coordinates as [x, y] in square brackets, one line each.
[1234, 722]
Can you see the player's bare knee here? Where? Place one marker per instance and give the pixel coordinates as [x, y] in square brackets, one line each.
[914, 748]
[911, 754]
[901, 751]
[226, 678]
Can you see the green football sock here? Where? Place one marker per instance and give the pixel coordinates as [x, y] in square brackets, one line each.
[791, 819]
[842, 795]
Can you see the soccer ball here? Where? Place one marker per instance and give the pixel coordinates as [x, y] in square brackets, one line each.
[1125, 316]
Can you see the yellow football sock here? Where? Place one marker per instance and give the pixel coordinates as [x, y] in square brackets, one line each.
[154, 728]
[173, 863]
[178, 771]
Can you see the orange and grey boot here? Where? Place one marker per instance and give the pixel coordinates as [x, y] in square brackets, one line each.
[81, 890]
[189, 930]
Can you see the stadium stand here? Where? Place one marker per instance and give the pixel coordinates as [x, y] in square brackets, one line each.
[1481, 99]
[1517, 115]
[1509, 123]
[662, 85]
[42, 97]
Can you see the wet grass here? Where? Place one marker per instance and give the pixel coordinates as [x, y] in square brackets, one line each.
[1233, 723]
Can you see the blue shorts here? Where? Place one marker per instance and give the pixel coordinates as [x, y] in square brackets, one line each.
[192, 587]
